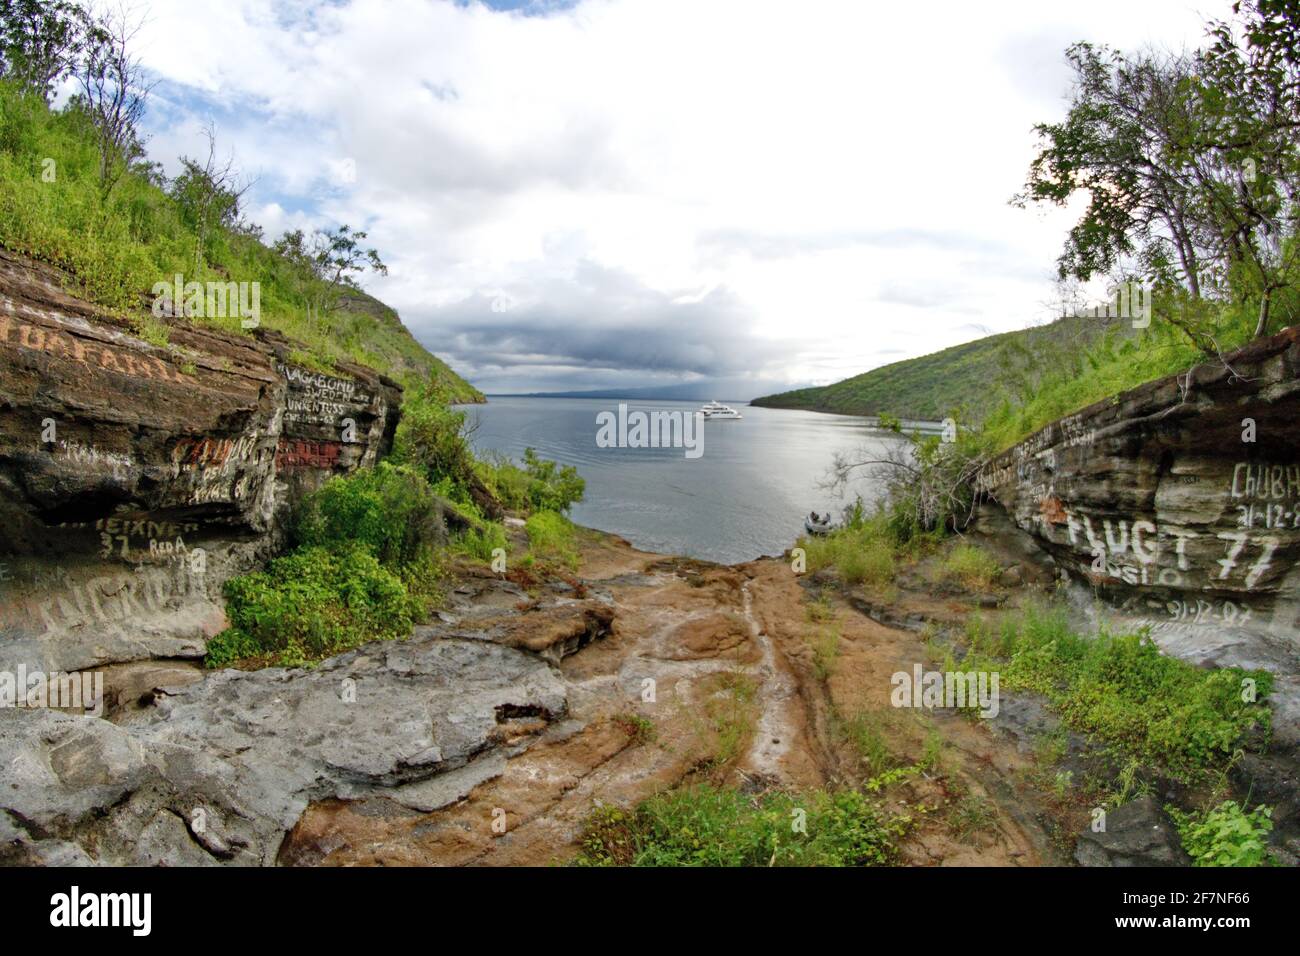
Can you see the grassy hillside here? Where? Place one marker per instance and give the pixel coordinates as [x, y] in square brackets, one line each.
[1012, 384]
[119, 241]
[933, 386]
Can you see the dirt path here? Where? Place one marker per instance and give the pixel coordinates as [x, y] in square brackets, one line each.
[708, 672]
[778, 719]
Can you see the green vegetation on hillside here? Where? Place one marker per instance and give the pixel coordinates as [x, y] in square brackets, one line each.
[933, 386]
[1010, 385]
[118, 239]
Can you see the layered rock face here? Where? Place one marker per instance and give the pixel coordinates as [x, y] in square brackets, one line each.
[1176, 506]
[136, 478]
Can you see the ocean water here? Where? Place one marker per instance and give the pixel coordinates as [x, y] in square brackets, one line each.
[746, 495]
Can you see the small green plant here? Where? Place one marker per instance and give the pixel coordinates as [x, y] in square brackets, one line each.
[820, 610]
[971, 816]
[552, 539]
[1062, 783]
[732, 714]
[863, 732]
[480, 542]
[1050, 747]
[970, 566]
[826, 652]
[1129, 784]
[1226, 835]
[932, 750]
[155, 333]
[639, 730]
[893, 775]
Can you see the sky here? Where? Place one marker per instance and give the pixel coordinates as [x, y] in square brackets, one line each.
[630, 193]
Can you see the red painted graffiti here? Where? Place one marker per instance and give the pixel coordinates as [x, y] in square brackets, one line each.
[297, 453]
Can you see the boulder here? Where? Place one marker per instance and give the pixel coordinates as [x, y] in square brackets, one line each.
[1138, 833]
[218, 771]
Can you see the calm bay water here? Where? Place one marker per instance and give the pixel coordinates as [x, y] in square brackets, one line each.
[745, 496]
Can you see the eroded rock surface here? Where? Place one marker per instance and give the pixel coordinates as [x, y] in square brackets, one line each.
[220, 770]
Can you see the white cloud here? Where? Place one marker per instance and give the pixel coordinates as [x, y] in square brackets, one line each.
[833, 175]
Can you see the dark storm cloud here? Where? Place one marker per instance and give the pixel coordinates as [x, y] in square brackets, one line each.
[560, 331]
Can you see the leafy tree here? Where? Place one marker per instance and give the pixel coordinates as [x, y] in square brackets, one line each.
[1247, 165]
[1190, 163]
[1115, 145]
[552, 486]
[40, 41]
[326, 262]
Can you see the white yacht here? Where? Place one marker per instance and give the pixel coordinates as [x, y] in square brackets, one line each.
[715, 410]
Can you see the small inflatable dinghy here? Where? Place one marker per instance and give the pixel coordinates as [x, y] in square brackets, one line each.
[817, 524]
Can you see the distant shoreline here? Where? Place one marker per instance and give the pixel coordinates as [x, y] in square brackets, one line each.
[922, 425]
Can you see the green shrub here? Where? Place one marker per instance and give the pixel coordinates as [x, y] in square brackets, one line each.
[539, 485]
[867, 562]
[1122, 690]
[309, 605]
[1226, 835]
[506, 480]
[862, 551]
[551, 486]
[479, 542]
[552, 539]
[971, 566]
[390, 510]
[432, 438]
[708, 826]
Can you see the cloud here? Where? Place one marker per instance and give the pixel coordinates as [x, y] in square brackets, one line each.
[595, 327]
[660, 189]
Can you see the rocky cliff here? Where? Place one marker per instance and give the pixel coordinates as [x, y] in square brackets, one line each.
[1176, 506]
[136, 477]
